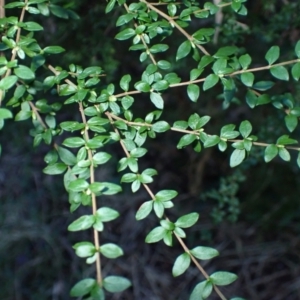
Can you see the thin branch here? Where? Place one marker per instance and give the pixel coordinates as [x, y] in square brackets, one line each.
[174, 24]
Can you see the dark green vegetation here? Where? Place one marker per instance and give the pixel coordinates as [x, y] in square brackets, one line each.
[249, 213]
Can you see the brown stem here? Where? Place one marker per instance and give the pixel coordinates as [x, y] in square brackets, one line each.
[92, 180]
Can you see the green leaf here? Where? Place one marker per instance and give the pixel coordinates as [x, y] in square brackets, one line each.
[183, 50]
[158, 208]
[111, 250]
[280, 72]
[116, 284]
[160, 85]
[285, 140]
[245, 61]
[202, 290]
[193, 92]
[166, 195]
[284, 154]
[195, 73]
[237, 157]
[84, 222]
[84, 249]
[291, 122]
[55, 169]
[187, 220]
[53, 50]
[7, 82]
[125, 34]
[159, 48]
[78, 185]
[74, 142]
[24, 73]
[263, 85]
[144, 210]
[138, 152]
[106, 214]
[204, 252]
[247, 79]
[296, 71]
[245, 128]
[210, 81]
[160, 126]
[271, 151]
[272, 55]
[110, 5]
[83, 287]
[298, 160]
[155, 235]
[186, 140]
[226, 51]
[5, 113]
[124, 83]
[223, 278]
[211, 141]
[101, 158]
[164, 64]
[66, 156]
[157, 100]
[181, 264]
[32, 26]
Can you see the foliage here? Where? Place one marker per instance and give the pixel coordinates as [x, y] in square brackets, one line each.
[110, 117]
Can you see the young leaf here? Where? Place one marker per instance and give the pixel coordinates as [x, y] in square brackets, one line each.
[181, 264]
[223, 278]
[237, 157]
[116, 284]
[272, 55]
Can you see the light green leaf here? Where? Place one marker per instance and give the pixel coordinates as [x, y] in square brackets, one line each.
[210, 81]
[284, 154]
[157, 100]
[74, 142]
[53, 50]
[158, 208]
[160, 126]
[116, 284]
[187, 220]
[296, 71]
[101, 158]
[245, 61]
[106, 214]
[211, 141]
[7, 82]
[297, 49]
[186, 140]
[181, 264]
[245, 128]
[55, 169]
[78, 185]
[166, 195]
[237, 157]
[193, 92]
[111, 250]
[202, 290]
[223, 278]
[272, 55]
[144, 210]
[84, 222]
[5, 113]
[84, 249]
[204, 252]
[183, 50]
[124, 83]
[155, 235]
[66, 156]
[271, 151]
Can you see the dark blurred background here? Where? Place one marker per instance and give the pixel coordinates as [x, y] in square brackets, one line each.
[250, 213]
